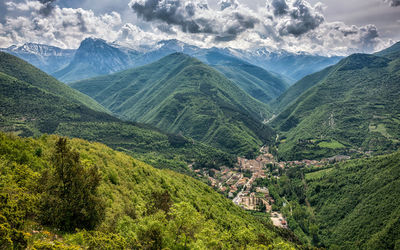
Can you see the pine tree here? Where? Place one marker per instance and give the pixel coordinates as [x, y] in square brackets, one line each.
[70, 199]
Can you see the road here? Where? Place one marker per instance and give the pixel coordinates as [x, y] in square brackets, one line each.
[237, 198]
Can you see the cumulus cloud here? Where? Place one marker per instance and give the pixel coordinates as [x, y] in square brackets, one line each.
[344, 39]
[293, 25]
[279, 7]
[224, 4]
[47, 8]
[295, 17]
[393, 3]
[196, 17]
[64, 27]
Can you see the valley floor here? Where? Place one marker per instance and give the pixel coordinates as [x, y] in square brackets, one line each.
[245, 186]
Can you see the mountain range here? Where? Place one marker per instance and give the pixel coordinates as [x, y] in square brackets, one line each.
[97, 57]
[261, 84]
[47, 58]
[292, 65]
[33, 103]
[180, 94]
[320, 137]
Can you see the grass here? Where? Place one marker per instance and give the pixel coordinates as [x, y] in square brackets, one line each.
[331, 144]
[318, 174]
[380, 128]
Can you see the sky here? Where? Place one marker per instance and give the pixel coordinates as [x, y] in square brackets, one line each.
[329, 27]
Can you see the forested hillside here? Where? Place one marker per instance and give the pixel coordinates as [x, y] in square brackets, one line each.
[257, 82]
[179, 94]
[72, 193]
[16, 68]
[348, 205]
[352, 106]
[39, 104]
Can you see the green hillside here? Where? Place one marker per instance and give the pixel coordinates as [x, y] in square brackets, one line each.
[29, 110]
[357, 203]
[179, 94]
[355, 107]
[47, 106]
[129, 204]
[290, 96]
[14, 67]
[255, 81]
[348, 205]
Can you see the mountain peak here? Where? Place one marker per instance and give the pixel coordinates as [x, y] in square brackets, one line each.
[91, 42]
[180, 54]
[94, 57]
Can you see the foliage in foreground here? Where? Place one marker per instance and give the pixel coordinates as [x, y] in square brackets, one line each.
[144, 207]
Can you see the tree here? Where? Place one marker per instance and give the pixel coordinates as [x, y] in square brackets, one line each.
[184, 223]
[70, 197]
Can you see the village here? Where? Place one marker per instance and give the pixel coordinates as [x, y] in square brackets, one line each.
[240, 183]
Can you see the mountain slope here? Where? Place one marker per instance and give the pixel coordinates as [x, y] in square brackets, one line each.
[45, 57]
[355, 107]
[297, 89]
[180, 94]
[95, 57]
[144, 208]
[357, 203]
[291, 95]
[42, 105]
[23, 71]
[352, 204]
[257, 82]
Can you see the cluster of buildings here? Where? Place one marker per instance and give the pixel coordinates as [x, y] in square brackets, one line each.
[239, 183]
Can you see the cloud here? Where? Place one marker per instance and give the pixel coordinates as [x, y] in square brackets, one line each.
[44, 7]
[295, 17]
[393, 3]
[280, 7]
[172, 12]
[293, 25]
[224, 4]
[48, 6]
[197, 18]
[64, 27]
[346, 39]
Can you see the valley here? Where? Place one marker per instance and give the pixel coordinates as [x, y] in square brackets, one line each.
[182, 147]
[245, 184]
